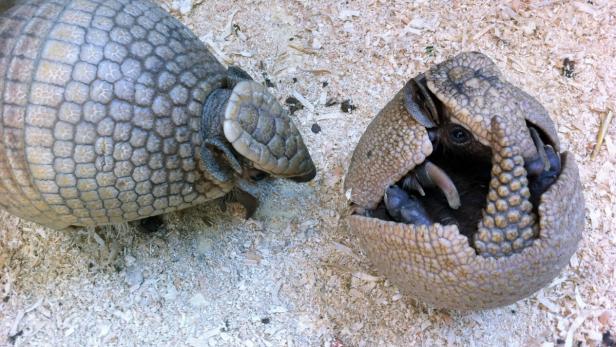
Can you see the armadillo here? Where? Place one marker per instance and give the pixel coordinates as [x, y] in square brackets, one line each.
[460, 194]
[113, 111]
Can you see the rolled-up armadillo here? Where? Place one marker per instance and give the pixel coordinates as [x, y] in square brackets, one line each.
[460, 194]
[112, 111]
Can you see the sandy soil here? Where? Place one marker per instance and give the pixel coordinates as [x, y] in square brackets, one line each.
[290, 276]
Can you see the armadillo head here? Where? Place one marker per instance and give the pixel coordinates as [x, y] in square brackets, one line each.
[247, 135]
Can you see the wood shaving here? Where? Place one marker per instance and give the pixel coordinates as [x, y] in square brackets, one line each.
[605, 123]
[302, 99]
[293, 275]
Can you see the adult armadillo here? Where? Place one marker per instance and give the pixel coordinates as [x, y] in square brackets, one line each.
[112, 111]
[461, 195]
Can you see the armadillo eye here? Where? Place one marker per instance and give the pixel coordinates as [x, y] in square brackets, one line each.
[459, 136]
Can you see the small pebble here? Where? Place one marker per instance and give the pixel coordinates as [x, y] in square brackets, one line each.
[294, 104]
[347, 106]
[315, 128]
[331, 102]
[568, 69]
[171, 293]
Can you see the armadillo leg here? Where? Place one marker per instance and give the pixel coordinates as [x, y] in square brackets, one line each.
[246, 194]
[247, 200]
[543, 170]
[508, 224]
[217, 158]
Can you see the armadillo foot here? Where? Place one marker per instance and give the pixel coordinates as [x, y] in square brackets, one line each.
[405, 208]
[247, 200]
[246, 193]
[540, 183]
[543, 170]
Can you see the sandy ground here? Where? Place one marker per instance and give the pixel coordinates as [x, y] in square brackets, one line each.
[291, 276]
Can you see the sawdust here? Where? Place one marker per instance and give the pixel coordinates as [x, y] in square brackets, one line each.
[291, 276]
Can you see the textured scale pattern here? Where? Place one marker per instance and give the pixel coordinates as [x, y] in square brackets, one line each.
[101, 107]
[508, 224]
[259, 128]
[402, 146]
[437, 265]
[515, 251]
[471, 86]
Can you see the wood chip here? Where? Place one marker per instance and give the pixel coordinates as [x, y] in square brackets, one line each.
[584, 7]
[307, 104]
[366, 277]
[316, 71]
[303, 49]
[604, 318]
[577, 323]
[605, 123]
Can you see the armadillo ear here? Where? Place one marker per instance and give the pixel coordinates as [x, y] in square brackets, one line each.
[259, 129]
[419, 103]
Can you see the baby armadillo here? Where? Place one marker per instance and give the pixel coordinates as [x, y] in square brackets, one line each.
[112, 111]
[461, 194]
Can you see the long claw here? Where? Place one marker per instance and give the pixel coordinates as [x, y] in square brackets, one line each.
[419, 103]
[553, 158]
[411, 184]
[431, 175]
[534, 134]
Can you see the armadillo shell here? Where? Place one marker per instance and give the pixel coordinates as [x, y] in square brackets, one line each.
[392, 145]
[437, 265]
[101, 108]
